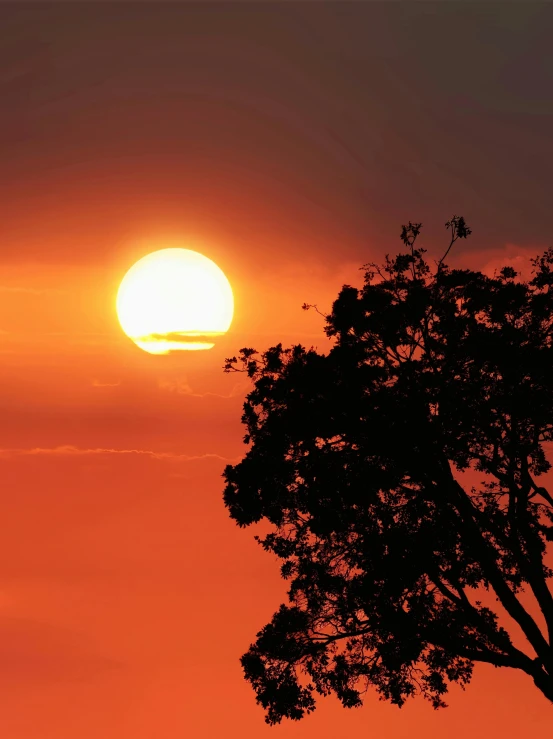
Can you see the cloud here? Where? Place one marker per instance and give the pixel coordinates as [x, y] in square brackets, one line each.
[98, 383]
[27, 290]
[73, 451]
[32, 649]
[490, 261]
[179, 337]
[181, 386]
[9, 289]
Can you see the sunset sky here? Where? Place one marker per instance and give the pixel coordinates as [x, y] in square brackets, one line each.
[287, 142]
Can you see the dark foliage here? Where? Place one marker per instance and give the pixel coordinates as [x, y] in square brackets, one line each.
[351, 458]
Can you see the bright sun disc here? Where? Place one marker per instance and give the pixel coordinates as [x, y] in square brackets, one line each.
[173, 300]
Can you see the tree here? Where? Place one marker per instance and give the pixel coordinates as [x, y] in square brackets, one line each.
[355, 458]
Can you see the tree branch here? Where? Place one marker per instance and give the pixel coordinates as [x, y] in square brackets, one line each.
[487, 559]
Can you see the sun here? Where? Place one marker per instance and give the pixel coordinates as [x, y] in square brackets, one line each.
[174, 300]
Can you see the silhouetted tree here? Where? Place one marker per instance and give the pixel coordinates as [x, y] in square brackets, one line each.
[354, 458]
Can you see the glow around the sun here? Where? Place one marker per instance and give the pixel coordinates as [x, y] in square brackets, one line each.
[174, 300]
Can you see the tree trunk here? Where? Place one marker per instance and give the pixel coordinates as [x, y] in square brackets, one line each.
[544, 683]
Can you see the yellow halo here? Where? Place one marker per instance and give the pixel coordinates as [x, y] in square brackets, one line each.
[174, 300]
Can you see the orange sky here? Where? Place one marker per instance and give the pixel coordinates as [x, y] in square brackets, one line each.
[273, 138]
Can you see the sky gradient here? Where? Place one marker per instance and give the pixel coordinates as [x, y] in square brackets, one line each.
[288, 142]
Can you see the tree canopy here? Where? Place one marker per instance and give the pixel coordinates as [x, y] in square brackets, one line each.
[354, 458]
